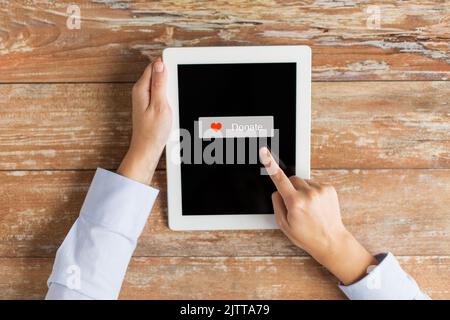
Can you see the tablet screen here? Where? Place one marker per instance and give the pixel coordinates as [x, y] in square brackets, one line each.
[239, 97]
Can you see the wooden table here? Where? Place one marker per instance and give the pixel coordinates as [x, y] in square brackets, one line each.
[380, 134]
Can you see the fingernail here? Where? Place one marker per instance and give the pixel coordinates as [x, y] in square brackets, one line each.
[264, 155]
[158, 66]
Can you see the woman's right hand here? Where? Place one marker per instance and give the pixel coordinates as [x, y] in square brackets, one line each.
[309, 215]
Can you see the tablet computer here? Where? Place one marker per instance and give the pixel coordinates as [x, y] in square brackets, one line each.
[227, 102]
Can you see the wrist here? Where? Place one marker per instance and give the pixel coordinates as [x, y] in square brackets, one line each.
[138, 166]
[346, 258]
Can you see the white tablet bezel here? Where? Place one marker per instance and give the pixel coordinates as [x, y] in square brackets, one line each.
[214, 55]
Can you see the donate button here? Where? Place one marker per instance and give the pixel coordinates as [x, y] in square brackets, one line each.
[235, 127]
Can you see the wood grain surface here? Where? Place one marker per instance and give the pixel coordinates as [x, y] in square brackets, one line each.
[220, 278]
[117, 37]
[385, 209]
[380, 134]
[362, 125]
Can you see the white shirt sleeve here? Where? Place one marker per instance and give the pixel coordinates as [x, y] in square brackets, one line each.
[386, 281]
[92, 261]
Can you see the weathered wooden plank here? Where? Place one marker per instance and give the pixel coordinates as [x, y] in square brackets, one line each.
[357, 125]
[381, 125]
[64, 126]
[405, 211]
[259, 278]
[411, 41]
[220, 278]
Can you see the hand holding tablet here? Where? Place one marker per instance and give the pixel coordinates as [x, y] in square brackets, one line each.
[152, 122]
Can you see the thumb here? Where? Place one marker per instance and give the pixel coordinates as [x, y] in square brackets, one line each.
[159, 80]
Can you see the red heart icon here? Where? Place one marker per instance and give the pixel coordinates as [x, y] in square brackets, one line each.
[216, 126]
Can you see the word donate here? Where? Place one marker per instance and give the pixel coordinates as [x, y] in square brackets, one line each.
[236, 127]
[246, 127]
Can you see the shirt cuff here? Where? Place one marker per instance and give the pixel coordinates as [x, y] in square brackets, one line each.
[118, 204]
[92, 261]
[59, 292]
[386, 281]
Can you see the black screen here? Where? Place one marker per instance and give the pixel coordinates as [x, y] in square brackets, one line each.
[222, 90]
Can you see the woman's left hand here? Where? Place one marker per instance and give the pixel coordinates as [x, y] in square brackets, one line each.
[152, 122]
